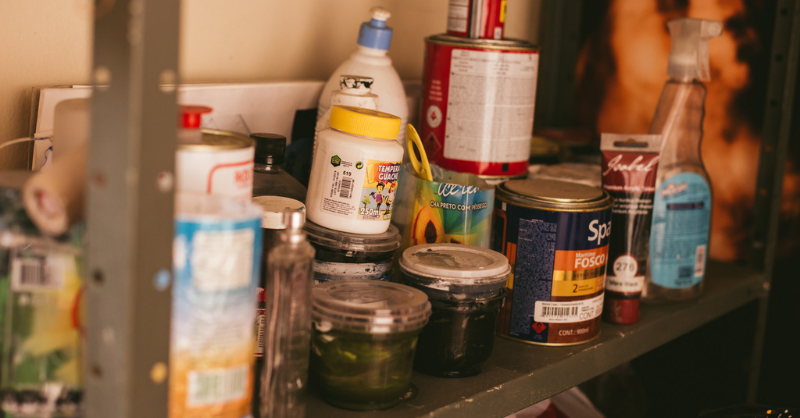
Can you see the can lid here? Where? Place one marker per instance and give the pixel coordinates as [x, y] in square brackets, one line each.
[371, 306]
[365, 122]
[553, 191]
[274, 207]
[270, 148]
[455, 267]
[346, 241]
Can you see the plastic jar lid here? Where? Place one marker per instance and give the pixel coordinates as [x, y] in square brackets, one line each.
[369, 306]
[369, 243]
[274, 207]
[365, 122]
[455, 268]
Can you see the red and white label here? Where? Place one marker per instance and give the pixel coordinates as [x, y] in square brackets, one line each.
[221, 173]
[478, 107]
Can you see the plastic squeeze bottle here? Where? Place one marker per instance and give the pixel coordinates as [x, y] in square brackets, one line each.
[371, 60]
[354, 90]
[682, 205]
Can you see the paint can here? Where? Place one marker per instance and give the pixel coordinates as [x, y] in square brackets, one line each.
[477, 104]
[476, 18]
[555, 235]
[221, 164]
[216, 253]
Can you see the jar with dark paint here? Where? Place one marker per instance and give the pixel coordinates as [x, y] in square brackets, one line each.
[345, 255]
[466, 288]
[365, 335]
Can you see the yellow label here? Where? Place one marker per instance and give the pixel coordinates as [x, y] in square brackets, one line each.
[503, 11]
[566, 288]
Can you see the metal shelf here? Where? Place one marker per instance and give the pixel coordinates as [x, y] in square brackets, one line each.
[519, 375]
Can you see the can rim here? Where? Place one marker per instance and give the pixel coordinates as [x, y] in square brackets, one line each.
[601, 202]
[240, 142]
[505, 44]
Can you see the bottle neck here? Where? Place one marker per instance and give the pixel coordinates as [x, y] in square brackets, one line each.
[292, 236]
[266, 168]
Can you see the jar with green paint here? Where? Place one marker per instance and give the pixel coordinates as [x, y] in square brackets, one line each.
[365, 337]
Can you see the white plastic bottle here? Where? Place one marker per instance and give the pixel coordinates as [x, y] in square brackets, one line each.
[371, 60]
[354, 90]
[355, 171]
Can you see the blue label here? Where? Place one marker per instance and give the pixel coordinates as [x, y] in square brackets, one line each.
[679, 235]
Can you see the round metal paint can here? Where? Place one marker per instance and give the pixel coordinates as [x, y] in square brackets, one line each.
[222, 164]
[476, 18]
[477, 104]
[555, 235]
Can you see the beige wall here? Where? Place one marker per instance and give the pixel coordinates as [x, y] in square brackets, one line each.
[48, 42]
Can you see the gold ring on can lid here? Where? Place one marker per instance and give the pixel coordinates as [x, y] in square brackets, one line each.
[502, 44]
[215, 140]
[554, 195]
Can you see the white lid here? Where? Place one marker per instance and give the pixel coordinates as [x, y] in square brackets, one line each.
[443, 265]
[274, 207]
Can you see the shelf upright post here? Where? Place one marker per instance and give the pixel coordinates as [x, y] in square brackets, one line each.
[781, 91]
[560, 46]
[130, 208]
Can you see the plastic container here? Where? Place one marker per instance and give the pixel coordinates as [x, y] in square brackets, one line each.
[342, 255]
[355, 171]
[680, 230]
[466, 288]
[354, 90]
[371, 60]
[365, 334]
[269, 179]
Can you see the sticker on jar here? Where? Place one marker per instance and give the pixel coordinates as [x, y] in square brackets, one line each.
[567, 312]
[361, 189]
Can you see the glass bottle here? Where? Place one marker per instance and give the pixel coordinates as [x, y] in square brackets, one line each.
[269, 179]
[288, 322]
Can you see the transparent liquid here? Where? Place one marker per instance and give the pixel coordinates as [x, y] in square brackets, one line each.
[679, 118]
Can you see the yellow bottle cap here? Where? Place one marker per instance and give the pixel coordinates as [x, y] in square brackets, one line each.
[365, 122]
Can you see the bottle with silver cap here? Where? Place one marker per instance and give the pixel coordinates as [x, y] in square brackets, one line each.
[288, 321]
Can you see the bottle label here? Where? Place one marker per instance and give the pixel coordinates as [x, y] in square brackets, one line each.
[360, 189]
[679, 236]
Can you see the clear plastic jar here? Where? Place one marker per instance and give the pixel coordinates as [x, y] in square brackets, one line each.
[343, 255]
[365, 334]
[466, 288]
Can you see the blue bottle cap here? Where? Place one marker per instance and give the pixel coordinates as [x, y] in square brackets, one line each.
[375, 33]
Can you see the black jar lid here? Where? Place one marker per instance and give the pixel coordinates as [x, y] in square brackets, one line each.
[369, 306]
[455, 268]
[337, 240]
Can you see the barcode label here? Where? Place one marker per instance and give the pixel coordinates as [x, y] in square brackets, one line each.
[567, 312]
[346, 188]
[557, 312]
[39, 272]
[700, 261]
[217, 386]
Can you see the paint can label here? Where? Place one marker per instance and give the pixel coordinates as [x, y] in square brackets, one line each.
[558, 260]
[359, 189]
[477, 109]
[216, 273]
[679, 235]
[222, 173]
[476, 18]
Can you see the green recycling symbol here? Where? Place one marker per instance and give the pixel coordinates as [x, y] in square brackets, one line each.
[336, 161]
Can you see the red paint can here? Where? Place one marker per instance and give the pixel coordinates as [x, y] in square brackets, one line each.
[477, 104]
[476, 18]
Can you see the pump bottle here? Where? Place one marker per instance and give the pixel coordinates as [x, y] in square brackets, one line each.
[371, 60]
[682, 206]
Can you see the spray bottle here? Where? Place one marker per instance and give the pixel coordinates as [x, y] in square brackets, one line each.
[682, 206]
[371, 60]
